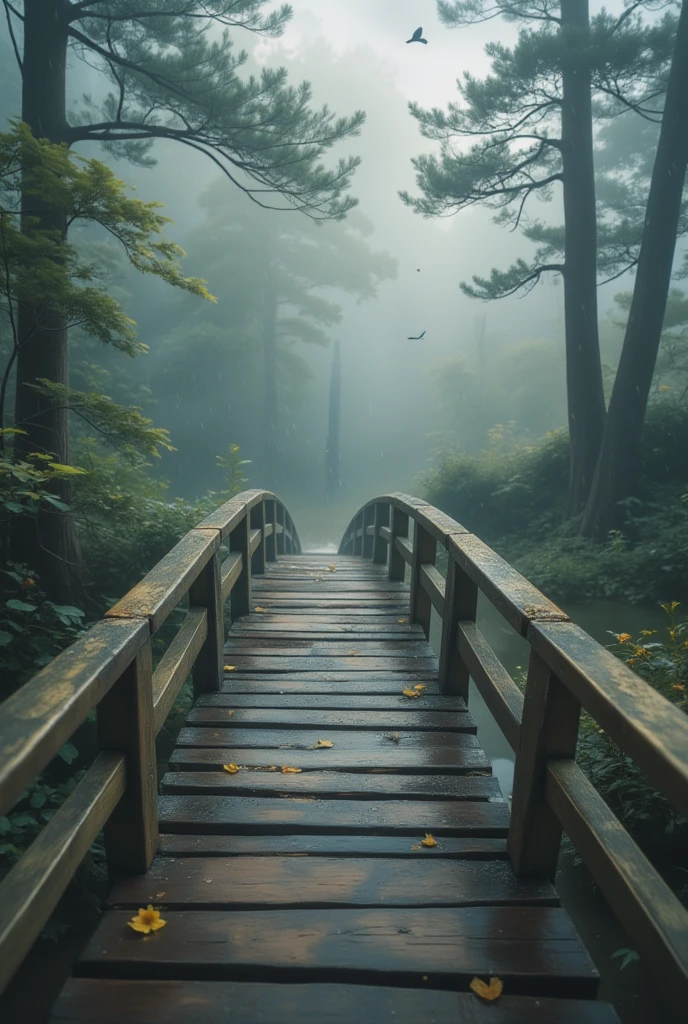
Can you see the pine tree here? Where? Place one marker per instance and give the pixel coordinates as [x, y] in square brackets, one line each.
[530, 125]
[175, 74]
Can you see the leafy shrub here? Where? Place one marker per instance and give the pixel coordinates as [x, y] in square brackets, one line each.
[635, 801]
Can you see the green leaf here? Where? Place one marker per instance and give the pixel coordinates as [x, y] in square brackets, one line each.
[20, 606]
[68, 753]
[38, 798]
[5, 826]
[5, 638]
[59, 505]
[68, 614]
[14, 506]
[23, 820]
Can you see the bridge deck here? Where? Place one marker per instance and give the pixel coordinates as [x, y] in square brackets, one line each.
[318, 878]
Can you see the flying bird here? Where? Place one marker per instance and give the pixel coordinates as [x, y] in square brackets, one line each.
[416, 337]
[417, 37]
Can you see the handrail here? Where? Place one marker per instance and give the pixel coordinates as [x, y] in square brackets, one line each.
[110, 669]
[568, 671]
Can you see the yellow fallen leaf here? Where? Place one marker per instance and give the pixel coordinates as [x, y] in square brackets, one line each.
[231, 768]
[272, 767]
[416, 847]
[230, 668]
[324, 743]
[207, 881]
[429, 840]
[489, 992]
[393, 736]
[331, 568]
[420, 687]
[407, 692]
[402, 621]
[286, 770]
[258, 609]
[147, 921]
[159, 895]
[352, 652]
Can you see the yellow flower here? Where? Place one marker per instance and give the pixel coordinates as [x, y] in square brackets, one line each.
[623, 637]
[147, 921]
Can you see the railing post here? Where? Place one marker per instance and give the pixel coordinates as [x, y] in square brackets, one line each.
[125, 725]
[206, 592]
[549, 729]
[358, 541]
[399, 527]
[280, 522]
[288, 536]
[368, 542]
[380, 546]
[258, 523]
[460, 605]
[240, 540]
[424, 549]
[271, 541]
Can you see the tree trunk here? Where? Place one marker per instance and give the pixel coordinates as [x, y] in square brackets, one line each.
[48, 545]
[332, 459]
[620, 454]
[586, 410]
[270, 433]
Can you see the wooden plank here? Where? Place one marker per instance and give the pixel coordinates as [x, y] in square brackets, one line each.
[240, 542]
[206, 592]
[356, 743]
[334, 785]
[31, 890]
[125, 725]
[227, 516]
[416, 761]
[165, 585]
[257, 520]
[231, 570]
[535, 950]
[265, 648]
[328, 582]
[372, 683]
[405, 548]
[322, 663]
[432, 582]
[268, 816]
[341, 846]
[175, 664]
[330, 702]
[285, 626]
[501, 694]
[512, 595]
[651, 914]
[43, 714]
[112, 1001]
[460, 603]
[644, 724]
[416, 721]
[241, 883]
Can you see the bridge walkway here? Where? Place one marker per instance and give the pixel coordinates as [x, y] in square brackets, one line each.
[293, 872]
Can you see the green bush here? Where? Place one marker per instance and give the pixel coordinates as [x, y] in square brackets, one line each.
[663, 662]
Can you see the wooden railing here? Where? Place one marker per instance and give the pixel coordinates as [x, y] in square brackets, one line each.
[110, 669]
[567, 671]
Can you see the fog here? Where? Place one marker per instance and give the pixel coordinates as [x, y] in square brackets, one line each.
[402, 399]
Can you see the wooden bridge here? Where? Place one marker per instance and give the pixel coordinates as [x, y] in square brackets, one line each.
[330, 843]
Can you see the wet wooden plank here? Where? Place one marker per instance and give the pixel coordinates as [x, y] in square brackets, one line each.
[304, 683]
[342, 785]
[328, 584]
[535, 950]
[418, 721]
[328, 648]
[431, 760]
[274, 882]
[331, 702]
[268, 816]
[115, 1001]
[345, 741]
[356, 663]
[339, 846]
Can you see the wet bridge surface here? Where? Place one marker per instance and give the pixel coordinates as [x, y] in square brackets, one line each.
[332, 841]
